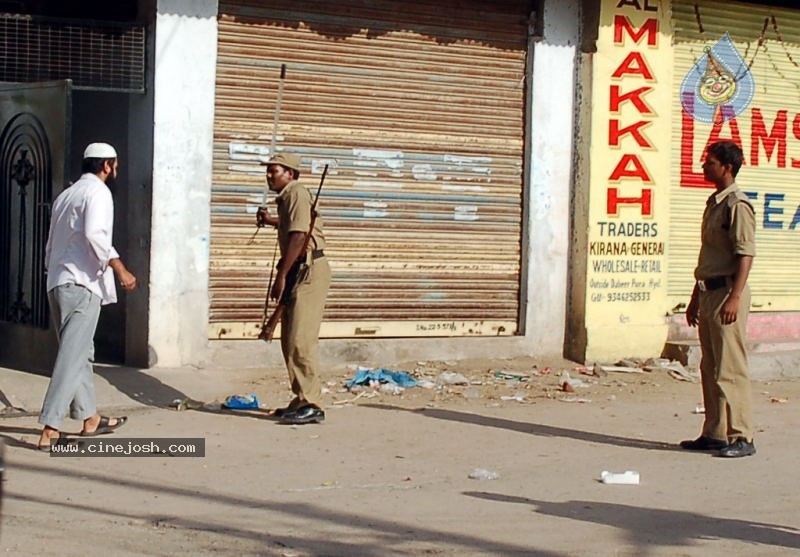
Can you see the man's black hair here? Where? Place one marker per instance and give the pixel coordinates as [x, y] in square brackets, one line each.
[727, 152]
[94, 165]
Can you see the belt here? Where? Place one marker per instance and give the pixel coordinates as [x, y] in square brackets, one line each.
[316, 254]
[712, 283]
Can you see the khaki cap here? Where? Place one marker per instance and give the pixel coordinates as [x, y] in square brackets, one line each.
[289, 160]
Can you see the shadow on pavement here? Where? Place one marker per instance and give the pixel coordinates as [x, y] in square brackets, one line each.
[150, 391]
[532, 428]
[13, 441]
[11, 411]
[140, 386]
[387, 536]
[658, 527]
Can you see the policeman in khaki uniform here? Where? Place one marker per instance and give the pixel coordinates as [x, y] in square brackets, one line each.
[719, 307]
[302, 280]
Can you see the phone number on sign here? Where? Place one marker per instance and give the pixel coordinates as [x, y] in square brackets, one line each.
[628, 297]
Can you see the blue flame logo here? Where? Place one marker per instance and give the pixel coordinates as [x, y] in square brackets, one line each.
[719, 86]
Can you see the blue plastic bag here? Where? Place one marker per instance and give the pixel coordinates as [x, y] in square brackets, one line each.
[365, 376]
[241, 402]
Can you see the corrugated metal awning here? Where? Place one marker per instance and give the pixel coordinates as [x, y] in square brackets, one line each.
[418, 109]
[772, 168]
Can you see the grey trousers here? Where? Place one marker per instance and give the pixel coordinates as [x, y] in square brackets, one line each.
[75, 311]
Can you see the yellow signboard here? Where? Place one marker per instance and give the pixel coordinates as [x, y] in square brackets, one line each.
[629, 175]
[767, 38]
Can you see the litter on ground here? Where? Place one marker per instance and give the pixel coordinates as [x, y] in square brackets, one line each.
[366, 376]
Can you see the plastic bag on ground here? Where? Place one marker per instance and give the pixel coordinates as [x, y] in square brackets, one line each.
[241, 402]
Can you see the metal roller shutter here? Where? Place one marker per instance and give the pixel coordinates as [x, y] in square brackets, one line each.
[772, 177]
[418, 109]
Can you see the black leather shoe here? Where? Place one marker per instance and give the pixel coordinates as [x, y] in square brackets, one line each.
[304, 415]
[740, 447]
[704, 443]
[280, 412]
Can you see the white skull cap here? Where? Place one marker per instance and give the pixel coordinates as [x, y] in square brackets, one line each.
[99, 151]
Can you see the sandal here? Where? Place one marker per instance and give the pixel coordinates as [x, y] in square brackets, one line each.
[103, 427]
[62, 439]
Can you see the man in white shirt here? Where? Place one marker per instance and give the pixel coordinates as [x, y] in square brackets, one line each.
[81, 263]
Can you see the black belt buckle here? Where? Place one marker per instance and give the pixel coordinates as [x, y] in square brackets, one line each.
[712, 283]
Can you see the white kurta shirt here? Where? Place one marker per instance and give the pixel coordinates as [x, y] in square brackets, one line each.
[79, 244]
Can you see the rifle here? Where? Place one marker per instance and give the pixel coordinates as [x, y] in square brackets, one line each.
[268, 325]
[275, 119]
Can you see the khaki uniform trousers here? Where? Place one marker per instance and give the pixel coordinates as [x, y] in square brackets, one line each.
[300, 335]
[724, 368]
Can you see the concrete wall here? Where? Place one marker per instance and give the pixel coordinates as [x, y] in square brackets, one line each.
[550, 139]
[576, 335]
[185, 62]
[140, 197]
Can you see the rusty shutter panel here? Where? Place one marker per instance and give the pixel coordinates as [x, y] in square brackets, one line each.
[774, 281]
[418, 109]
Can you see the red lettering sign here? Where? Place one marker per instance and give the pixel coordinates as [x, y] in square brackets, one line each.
[635, 3]
[716, 134]
[776, 138]
[689, 178]
[613, 201]
[630, 166]
[636, 170]
[634, 96]
[634, 64]
[622, 23]
[796, 132]
[615, 133]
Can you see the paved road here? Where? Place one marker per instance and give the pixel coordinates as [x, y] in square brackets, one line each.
[389, 476]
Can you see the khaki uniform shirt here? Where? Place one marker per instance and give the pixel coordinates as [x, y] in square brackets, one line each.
[294, 214]
[728, 230]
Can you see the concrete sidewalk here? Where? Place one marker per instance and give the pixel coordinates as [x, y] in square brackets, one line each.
[121, 388]
[768, 361]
